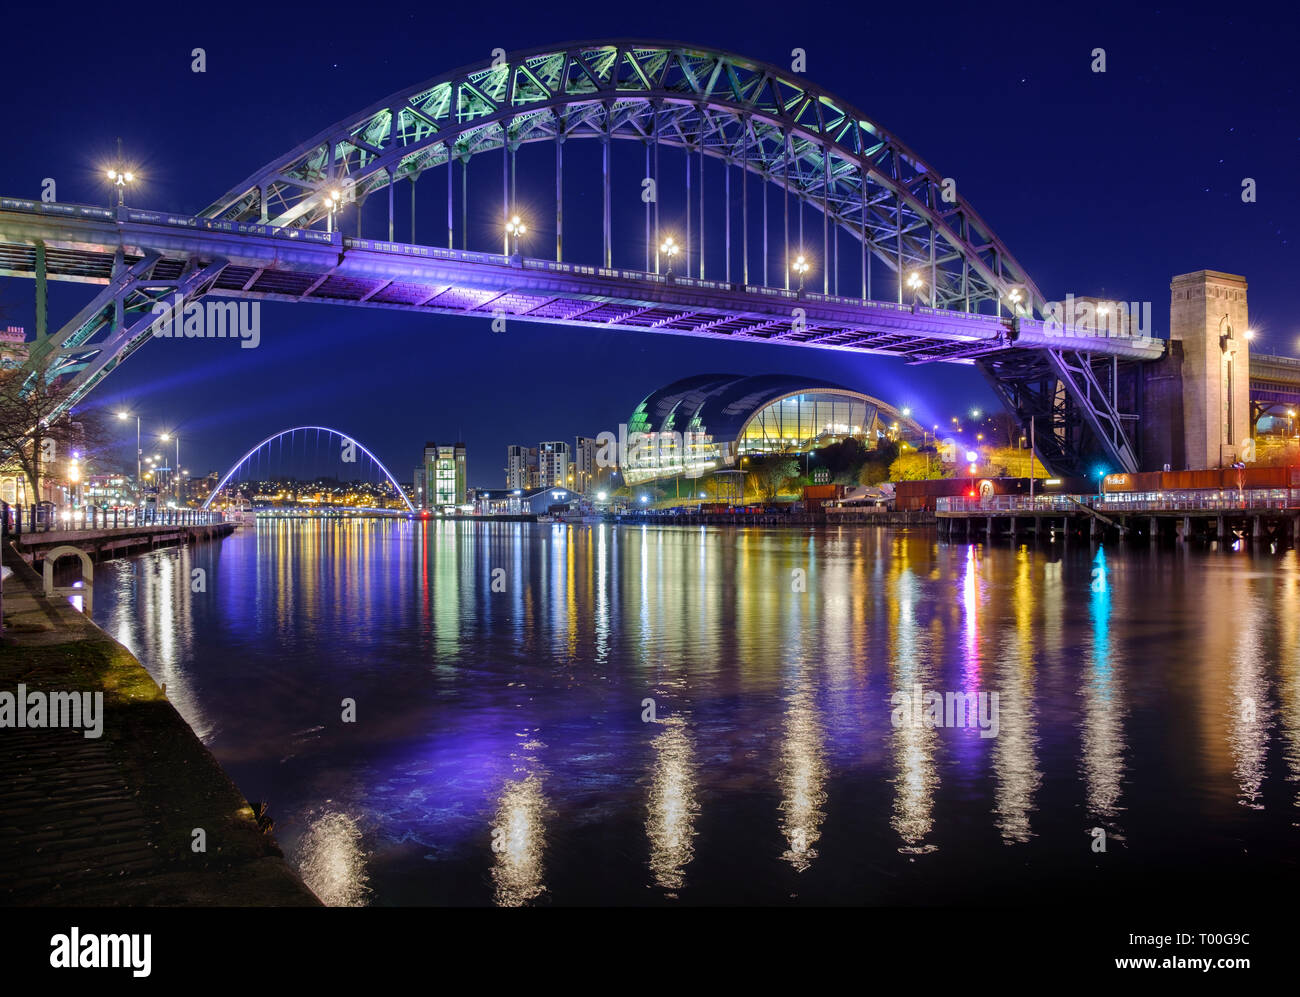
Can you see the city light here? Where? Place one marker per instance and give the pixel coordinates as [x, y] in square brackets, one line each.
[669, 249]
[800, 266]
[515, 229]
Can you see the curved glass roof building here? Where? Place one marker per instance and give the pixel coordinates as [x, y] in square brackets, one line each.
[707, 422]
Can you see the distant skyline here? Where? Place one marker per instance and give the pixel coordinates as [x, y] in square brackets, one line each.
[1099, 183]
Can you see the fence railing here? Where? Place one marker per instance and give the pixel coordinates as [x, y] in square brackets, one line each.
[44, 517]
[1184, 501]
[1013, 503]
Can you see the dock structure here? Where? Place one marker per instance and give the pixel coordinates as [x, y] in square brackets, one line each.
[1067, 518]
[105, 543]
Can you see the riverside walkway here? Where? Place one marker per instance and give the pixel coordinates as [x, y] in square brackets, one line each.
[109, 820]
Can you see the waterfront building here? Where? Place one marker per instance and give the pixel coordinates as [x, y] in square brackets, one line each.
[586, 473]
[521, 467]
[13, 346]
[710, 422]
[553, 464]
[443, 479]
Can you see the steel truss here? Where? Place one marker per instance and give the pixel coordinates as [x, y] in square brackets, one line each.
[1074, 399]
[771, 124]
[768, 124]
[119, 320]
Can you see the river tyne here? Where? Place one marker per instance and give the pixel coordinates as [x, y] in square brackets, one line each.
[517, 714]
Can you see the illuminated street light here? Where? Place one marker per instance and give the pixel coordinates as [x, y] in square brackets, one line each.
[669, 249]
[333, 202]
[800, 267]
[119, 176]
[515, 229]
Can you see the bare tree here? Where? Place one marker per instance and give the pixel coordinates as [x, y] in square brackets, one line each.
[30, 434]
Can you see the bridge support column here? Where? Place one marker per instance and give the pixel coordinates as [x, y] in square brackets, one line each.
[1208, 318]
[1222, 533]
[1154, 528]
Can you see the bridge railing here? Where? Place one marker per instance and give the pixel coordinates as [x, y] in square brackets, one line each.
[142, 216]
[44, 517]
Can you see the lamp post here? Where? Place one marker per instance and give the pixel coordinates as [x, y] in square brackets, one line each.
[669, 249]
[801, 268]
[138, 452]
[332, 202]
[914, 283]
[119, 176]
[515, 229]
[176, 471]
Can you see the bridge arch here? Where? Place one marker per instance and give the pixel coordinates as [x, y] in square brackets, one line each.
[296, 429]
[769, 122]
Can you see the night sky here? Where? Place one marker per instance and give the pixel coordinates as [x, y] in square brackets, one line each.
[1099, 183]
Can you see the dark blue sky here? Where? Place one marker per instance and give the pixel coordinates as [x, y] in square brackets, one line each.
[1098, 183]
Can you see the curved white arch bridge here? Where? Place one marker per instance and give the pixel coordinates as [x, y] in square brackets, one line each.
[765, 210]
[343, 439]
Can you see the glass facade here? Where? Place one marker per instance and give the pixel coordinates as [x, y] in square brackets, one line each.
[444, 475]
[813, 419]
[709, 422]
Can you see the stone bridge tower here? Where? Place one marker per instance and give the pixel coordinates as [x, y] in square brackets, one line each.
[1208, 328]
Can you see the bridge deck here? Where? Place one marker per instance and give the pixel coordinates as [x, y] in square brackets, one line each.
[260, 261]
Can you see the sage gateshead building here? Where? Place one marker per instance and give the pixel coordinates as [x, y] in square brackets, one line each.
[710, 422]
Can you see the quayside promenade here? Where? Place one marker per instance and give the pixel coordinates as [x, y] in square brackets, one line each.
[110, 820]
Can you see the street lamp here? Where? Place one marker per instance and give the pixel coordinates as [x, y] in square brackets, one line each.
[800, 267]
[138, 452]
[914, 284]
[332, 201]
[119, 176]
[669, 249]
[515, 229]
[177, 469]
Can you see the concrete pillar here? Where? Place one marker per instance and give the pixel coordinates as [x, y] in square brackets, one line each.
[1187, 528]
[1208, 317]
[1222, 535]
[1154, 528]
[1256, 533]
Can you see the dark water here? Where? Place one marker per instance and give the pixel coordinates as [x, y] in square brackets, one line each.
[1147, 699]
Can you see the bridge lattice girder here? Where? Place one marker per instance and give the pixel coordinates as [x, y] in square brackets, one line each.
[771, 123]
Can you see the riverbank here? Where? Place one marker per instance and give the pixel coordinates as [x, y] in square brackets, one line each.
[110, 820]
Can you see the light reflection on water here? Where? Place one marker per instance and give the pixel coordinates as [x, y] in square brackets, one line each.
[670, 822]
[499, 754]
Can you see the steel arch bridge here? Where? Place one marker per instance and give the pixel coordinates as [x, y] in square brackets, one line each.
[956, 293]
[343, 438]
